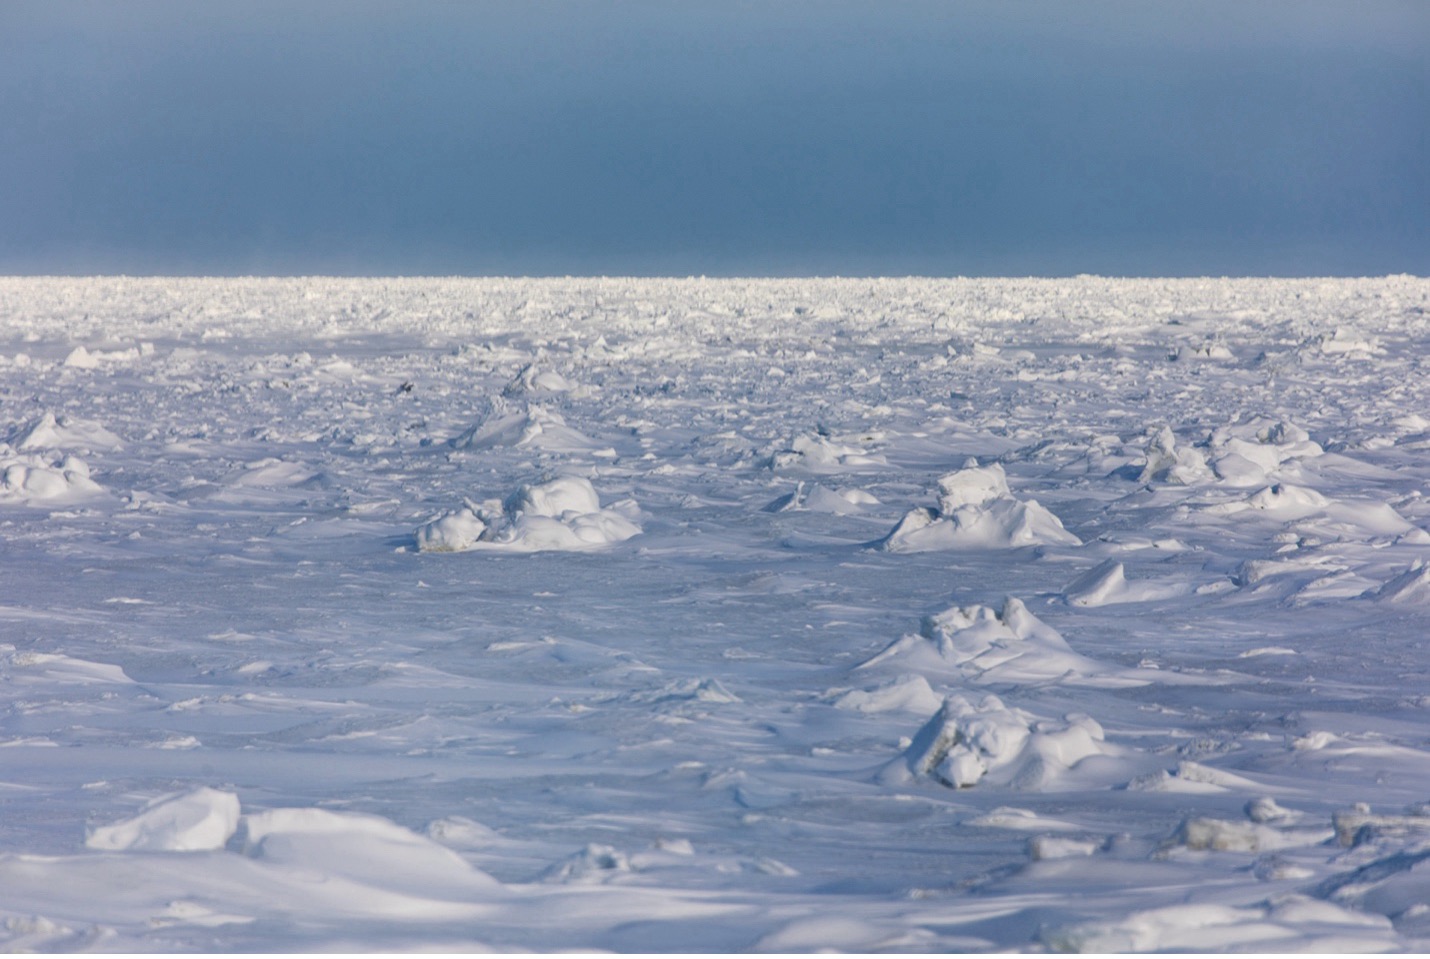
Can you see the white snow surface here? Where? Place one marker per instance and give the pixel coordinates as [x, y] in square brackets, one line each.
[716, 615]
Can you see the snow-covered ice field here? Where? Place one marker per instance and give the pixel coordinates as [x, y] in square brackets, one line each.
[714, 615]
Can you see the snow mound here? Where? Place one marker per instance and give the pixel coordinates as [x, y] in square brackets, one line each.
[1167, 462]
[1044, 848]
[1226, 835]
[1254, 453]
[709, 691]
[1320, 517]
[80, 358]
[1395, 883]
[972, 486]
[908, 693]
[529, 427]
[359, 848]
[1021, 820]
[1343, 342]
[1281, 500]
[815, 498]
[1211, 351]
[45, 668]
[531, 380]
[842, 934]
[1191, 777]
[203, 819]
[1354, 826]
[272, 473]
[451, 533]
[594, 864]
[49, 478]
[51, 432]
[816, 453]
[562, 514]
[978, 644]
[964, 745]
[977, 511]
[20, 934]
[555, 498]
[1410, 588]
[1106, 584]
[1293, 924]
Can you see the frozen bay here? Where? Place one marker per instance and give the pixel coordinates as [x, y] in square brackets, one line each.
[714, 614]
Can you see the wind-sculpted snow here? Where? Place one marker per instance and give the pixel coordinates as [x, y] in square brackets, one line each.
[202, 819]
[562, 514]
[64, 432]
[965, 744]
[977, 644]
[659, 615]
[39, 478]
[976, 510]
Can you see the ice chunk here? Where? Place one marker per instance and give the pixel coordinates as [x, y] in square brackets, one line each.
[80, 358]
[451, 533]
[1042, 848]
[561, 514]
[1206, 351]
[977, 511]
[962, 744]
[557, 498]
[974, 486]
[1255, 452]
[1265, 809]
[816, 453]
[1170, 463]
[44, 479]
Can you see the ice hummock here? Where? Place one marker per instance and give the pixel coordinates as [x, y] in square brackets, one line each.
[977, 511]
[965, 744]
[560, 514]
[982, 645]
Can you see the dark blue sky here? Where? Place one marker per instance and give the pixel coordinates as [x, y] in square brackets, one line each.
[781, 137]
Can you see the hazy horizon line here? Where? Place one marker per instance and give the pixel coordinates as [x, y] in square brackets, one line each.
[713, 276]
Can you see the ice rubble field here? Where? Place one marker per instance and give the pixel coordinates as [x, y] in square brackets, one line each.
[714, 615]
